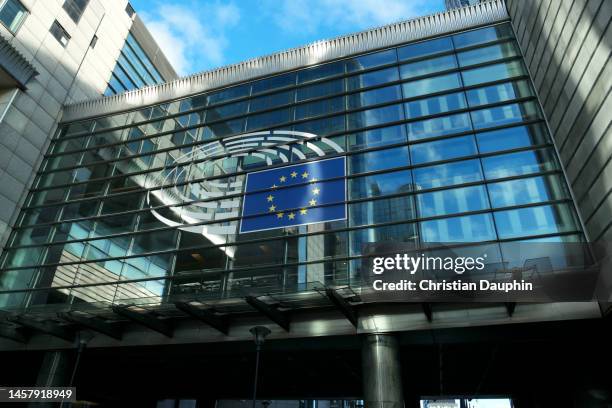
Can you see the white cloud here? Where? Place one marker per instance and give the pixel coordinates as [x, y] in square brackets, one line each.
[310, 15]
[185, 39]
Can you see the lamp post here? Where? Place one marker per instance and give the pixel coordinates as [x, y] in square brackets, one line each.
[259, 336]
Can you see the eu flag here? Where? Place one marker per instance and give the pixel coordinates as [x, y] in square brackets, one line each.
[294, 195]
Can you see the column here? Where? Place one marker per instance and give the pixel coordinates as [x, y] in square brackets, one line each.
[382, 377]
[54, 372]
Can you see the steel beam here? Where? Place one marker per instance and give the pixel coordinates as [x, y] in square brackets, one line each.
[343, 305]
[207, 316]
[272, 313]
[93, 323]
[145, 319]
[47, 327]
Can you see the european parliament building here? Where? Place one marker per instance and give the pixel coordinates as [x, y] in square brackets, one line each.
[166, 223]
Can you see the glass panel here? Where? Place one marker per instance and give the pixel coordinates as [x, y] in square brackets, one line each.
[268, 119]
[492, 73]
[229, 94]
[452, 201]
[447, 174]
[485, 54]
[322, 127]
[382, 239]
[374, 97]
[502, 115]
[378, 160]
[380, 184]
[12, 14]
[322, 71]
[547, 219]
[371, 60]
[435, 105]
[443, 149]
[271, 101]
[425, 48]
[269, 84]
[374, 78]
[445, 125]
[470, 228]
[224, 111]
[375, 116]
[429, 66]
[512, 138]
[516, 164]
[377, 137]
[498, 93]
[483, 35]
[381, 211]
[79, 210]
[527, 191]
[319, 108]
[319, 90]
[431, 85]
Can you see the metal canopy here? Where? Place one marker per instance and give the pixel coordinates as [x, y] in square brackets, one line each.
[144, 318]
[343, 305]
[47, 327]
[272, 313]
[93, 323]
[13, 333]
[207, 316]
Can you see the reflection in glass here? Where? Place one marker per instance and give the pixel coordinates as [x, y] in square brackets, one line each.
[547, 219]
[377, 137]
[435, 105]
[429, 66]
[443, 149]
[381, 211]
[516, 164]
[446, 125]
[424, 48]
[380, 184]
[492, 73]
[373, 78]
[371, 60]
[376, 116]
[382, 239]
[431, 85]
[453, 201]
[503, 115]
[483, 35]
[378, 160]
[469, 228]
[374, 97]
[528, 190]
[447, 174]
[512, 138]
[490, 53]
[498, 93]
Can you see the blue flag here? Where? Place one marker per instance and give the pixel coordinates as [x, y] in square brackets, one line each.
[295, 195]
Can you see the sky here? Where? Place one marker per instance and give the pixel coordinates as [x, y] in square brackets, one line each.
[198, 35]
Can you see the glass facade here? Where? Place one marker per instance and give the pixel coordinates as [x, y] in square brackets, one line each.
[134, 69]
[444, 142]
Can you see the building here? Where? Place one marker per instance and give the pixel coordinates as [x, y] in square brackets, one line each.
[166, 223]
[452, 4]
[57, 52]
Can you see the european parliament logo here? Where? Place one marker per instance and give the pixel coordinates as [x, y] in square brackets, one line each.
[295, 195]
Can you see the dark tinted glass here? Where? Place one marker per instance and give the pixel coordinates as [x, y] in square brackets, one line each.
[483, 35]
[322, 71]
[371, 60]
[425, 48]
[443, 149]
[511, 138]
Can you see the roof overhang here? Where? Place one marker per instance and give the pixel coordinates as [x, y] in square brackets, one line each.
[15, 70]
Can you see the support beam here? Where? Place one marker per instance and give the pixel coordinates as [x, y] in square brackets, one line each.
[93, 323]
[382, 374]
[145, 319]
[207, 316]
[12, 333]
[343, 305]
[47, 327]
[510, 307]
[270, 312]
[428, 310]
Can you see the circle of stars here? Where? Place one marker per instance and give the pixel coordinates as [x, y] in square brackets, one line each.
[315, 191]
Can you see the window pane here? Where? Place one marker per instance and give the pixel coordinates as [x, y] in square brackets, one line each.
[265, 120]
[225, 111]
[12, 14]
[447, 174]
[483, 35]
[512, 138]
[446, 125]
[319, 90]
[381, 211]
[425, 48]
[503, 115]
[470, 228]
[271, 101]
[485, 54]
[268, 84]
[492, 73]
[378, 160]
[452, 201]
[372, 78]
[319, 108]
[322, 127]
[498, 93]
[547, 219]
[371, 60]
[323, 71]
[229, 94]
[443, 149]
[374, 240]
[429, 66]
[435, 105]
[375, 116]
[431, 85]
[516, 164]
[377, 137]
[374, 97]
[527, 191]
[380, 184]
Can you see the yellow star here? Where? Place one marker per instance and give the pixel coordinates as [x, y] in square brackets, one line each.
[303, 211]
[291, 215]
[315, 191]
[280, 215]
[270, 198]
[283, 179]
[312, 202]
[305, 174]
[272, 208]
[293, 174]
[273, 186]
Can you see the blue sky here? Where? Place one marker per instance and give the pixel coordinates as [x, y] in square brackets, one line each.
[198, 35]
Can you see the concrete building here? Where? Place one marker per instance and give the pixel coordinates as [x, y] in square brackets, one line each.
[169, 224]
[57, 52]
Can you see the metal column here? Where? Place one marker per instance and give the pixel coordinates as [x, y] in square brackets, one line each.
[382, 379]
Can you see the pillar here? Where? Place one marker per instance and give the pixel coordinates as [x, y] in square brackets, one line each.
[54, 372]
[382, 379]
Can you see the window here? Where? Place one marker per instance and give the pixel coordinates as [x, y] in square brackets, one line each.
[375, 116]
[381, 211]
[452, 201]
[276, 82]
[271, 101]
[470, 228]
[374, 97]
[371, 60]
[447, 174]
[492, 73]
[377, 137]
[75, 8]
[512, 138]
[374, 240]
[318, 90]
[517, 164]
[319, 108]
[485, 54]
[443, 149]
[130, 10]
[94, 41]
[374, 78]
[527, 191]
[482, 36]
[428, 66]
[435, 105]
[12, 14]
[443, 126]
[431, 85]
[503, 115]
[378, 160]
[59, 33]
[323, 71]
[498, 93]
[380, 184]
[546, 219]
[425, 48]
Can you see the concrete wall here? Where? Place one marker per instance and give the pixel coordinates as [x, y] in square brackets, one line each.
[567, 44]
[66, 75]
